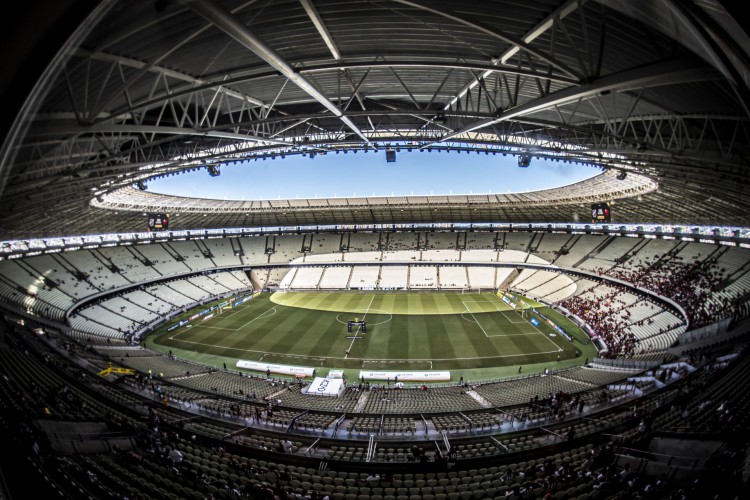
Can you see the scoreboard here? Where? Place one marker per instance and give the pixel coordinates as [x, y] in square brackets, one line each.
[600, 212]
[158, 222]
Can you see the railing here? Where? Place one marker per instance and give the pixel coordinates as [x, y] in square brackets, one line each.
[512, 417]
[438, 450]
[500, 445]
[630, 364]
[471, 423]
[290, 427]
[731, 234]
[309, 450]
[650, 462]
[553, 433]
[371, 447]
[446, 441]
[337, 424]
[79, 443]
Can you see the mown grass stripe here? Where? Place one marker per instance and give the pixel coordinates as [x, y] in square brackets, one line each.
[305, 329]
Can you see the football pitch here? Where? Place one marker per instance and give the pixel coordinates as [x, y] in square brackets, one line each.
[404, 331]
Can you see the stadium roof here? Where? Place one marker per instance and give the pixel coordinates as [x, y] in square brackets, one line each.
[656, 92]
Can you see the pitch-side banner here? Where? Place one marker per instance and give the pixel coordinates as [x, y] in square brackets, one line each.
[406, 376]
[326, 387]
[274, 368]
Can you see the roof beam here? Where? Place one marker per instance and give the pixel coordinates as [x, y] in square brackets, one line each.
[657, 74]
[468, 66]
[229, 24]
[308, 69]
[312, 13]
[197, 82]
[692, 20]
[314, 16]
[494, 34]
[560, 13]
[72, 129]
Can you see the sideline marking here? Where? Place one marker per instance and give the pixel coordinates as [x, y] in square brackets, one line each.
[559, 349]
[286, 354]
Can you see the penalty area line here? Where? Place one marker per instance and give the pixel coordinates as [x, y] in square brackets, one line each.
[475, 319]
[260, 316]
[559, 349]
[510, 319]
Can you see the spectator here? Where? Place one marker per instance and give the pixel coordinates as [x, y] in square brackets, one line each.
[174, 456]
[287, 446]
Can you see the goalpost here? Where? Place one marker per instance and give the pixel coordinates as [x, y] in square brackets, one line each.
[471, 291]
[523, 309]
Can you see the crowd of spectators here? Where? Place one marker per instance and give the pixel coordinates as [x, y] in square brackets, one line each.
[690, 284]
[558, 405]
[605, 318]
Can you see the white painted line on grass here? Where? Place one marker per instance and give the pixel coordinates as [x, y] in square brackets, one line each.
[400, 360]
[559, 349]
[260, 316]
[359, 327]
[475, 319]
[510, 319]
[524, 334]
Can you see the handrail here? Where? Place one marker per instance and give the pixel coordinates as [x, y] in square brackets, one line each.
[296, 417]
[512, 417]
[646, 452]
[446, 441]
[308, 451]
[552, 432]
[471, 423]
[500, 445]
[338, 423]
[437, 448]
[371, 447]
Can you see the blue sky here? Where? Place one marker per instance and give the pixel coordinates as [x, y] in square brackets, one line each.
[368, 174]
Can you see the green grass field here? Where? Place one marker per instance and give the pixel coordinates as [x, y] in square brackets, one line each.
[474, 333]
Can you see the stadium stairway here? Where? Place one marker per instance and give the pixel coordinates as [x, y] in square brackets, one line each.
[587, 385]
[361, 402]
[479, 398]
[595, 251]
[507, 281]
